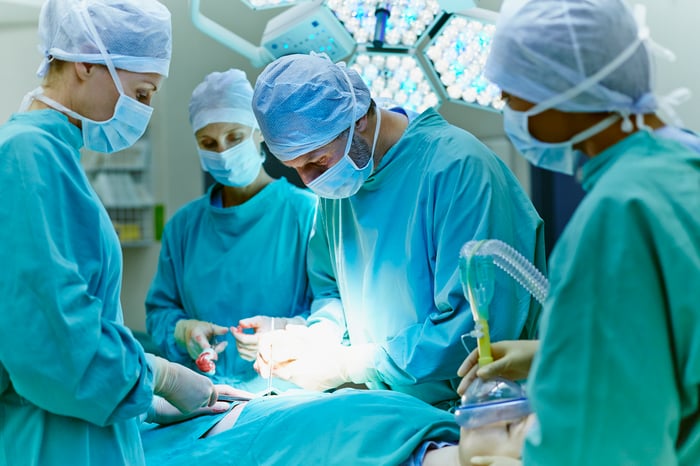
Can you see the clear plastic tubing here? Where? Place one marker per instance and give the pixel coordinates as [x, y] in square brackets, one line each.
[512, 262]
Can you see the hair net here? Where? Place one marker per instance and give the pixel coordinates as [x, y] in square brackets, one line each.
[303, 102]
[224, 97]
[543, 48]
[136, 33]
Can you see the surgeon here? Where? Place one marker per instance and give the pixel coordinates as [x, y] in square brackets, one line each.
[232, 262]
[400, 194]
[615, 377]
[74, 383]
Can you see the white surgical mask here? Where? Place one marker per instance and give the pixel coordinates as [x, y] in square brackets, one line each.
[128, 122]
[345, 178]
[557, 156]
[236, 166]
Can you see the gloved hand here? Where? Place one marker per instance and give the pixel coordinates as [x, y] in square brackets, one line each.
[194, 335]
[182, 387]
[307, 358]
[511, 359]
[247, 343]
[494, 461]
[162, 412]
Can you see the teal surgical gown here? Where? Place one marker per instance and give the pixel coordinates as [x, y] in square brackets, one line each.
[348, 427]
[73, 380]
[384, 262]
[617, 380]
[221, 265]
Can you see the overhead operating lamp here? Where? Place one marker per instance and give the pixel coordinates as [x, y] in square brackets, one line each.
[409, 19]
[395, 79]
[309, 26]
[458, 53]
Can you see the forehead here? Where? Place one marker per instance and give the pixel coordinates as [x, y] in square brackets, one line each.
[215, 130]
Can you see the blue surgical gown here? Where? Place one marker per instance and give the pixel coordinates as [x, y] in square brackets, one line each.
[347, 427]
[221, 265]
[617, 380]
[384, 262]
[73, 380]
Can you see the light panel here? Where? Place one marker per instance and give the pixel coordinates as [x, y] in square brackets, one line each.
[458, 54]
[396, 79]
[408, 19]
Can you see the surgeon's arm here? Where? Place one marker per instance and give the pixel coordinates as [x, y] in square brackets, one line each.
[164, 308]
[66, 350]
[326, 309]
[477, 198]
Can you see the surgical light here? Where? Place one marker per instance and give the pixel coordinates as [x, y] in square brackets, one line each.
[458, 54]
[396, 79]
[303, 28]
[409, 19]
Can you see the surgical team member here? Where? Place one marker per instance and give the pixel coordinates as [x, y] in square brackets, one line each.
[615, 380]
[400, 194]
[73, 380]
[236, 255]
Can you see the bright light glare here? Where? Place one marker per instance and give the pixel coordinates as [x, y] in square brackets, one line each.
[263, 4]
[458, 54]
[396, 78]
[408, 20]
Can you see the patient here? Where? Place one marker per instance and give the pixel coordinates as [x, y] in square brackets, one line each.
[345, 427]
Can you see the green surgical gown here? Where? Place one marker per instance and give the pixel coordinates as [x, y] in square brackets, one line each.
[618, 377]
[390, 255]
[73, 380]
[221, 265]
[347, 427]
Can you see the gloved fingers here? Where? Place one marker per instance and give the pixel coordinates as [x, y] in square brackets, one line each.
[467, 380]
[257, 323]
[248, 354]
[469, 362]
[223, 389]
[246, 338]
[220, 347]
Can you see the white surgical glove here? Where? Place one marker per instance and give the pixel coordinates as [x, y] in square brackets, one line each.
[314, 360]
[194, 335]
[182, 387]
[162, 412]
[494, 461]
[247, 343]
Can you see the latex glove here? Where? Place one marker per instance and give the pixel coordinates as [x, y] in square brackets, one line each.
[162, 412]
[511, 359]
[194, 335]
[306, 358]
[247, 343]
[494, 461]
[182, 387]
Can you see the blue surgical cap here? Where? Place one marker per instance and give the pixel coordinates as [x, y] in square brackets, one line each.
[303, 102]
[543, 48]
[223, 97]
[136, 33]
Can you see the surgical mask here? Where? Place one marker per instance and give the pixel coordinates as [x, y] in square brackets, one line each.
[556, 156]
[126, 126]
[236, 166]
[128, 122]
[345, 178]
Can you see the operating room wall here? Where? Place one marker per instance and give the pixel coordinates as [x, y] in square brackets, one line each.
[177, 174]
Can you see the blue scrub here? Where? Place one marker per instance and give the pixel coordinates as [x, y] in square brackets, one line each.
[73, 380]
[617, 379]
[348, 427]
[390, 255]
[221, 265]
